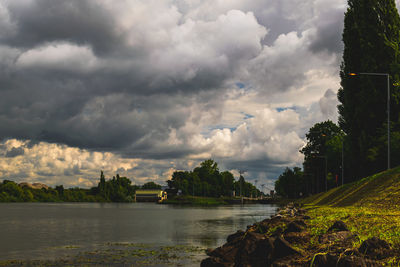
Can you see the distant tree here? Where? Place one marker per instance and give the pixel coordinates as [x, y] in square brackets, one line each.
[290, 183]
[245, 189]
[204, 180]
[151, 185]
[60, 190]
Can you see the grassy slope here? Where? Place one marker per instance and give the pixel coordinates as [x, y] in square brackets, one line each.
[381, 190]
[369, 207]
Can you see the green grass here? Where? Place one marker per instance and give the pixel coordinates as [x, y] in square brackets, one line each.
[381, 190]
[369, 207]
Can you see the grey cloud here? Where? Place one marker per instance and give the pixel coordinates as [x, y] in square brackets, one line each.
[328, 105]
[145, 79]
[15, 151]
[46, 173]
[72, 171]
[328, 37]
[43, 21]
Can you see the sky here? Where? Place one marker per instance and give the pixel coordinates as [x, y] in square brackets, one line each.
[147, 87]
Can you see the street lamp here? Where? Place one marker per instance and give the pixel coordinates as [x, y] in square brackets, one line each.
[388, 105]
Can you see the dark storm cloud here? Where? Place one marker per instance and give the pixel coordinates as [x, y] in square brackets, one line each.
[74, 78]
[328, 37]
[42, 21]
[154, 82]
[80, 73]
[15, 151]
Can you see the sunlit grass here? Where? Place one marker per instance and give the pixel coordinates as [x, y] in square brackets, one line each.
[369, 207]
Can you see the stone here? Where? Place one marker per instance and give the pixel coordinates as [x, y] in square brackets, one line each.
[375, 248]
[332, 260]
[343, 237]
[227, 252]
[298, 238]
[209, 251]
[235, 236]
[293, 227]
[278, 231]
[326, 260]
[215, 262]
[338, 226]
[255, 250]
[262, 227]
[355, 261]
[282, 249]
[300, 222]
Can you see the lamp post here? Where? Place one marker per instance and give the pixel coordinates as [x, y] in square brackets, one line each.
[388, 106]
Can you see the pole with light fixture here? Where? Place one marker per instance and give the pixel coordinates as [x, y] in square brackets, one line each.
[388, 106]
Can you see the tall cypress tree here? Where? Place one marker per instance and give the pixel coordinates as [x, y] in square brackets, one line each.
[371, 38]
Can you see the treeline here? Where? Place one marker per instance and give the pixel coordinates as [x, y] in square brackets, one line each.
[370, 74]
[206, 180]
[322, 165]
[117, 189]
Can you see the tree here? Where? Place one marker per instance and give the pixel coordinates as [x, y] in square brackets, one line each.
[102, 184]
[371, 38]
[317, 137]
[151, 185]
[322, 155]
[204, 180]
[290, 183]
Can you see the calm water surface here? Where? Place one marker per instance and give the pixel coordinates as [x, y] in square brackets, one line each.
[31, 230]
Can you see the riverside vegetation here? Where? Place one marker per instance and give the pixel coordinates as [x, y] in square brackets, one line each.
[117, 189]
[205, 185]
[357, 224]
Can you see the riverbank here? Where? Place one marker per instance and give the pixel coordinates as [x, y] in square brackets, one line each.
[357, 224]
[215, 201]
[200, 201]
[296, 237]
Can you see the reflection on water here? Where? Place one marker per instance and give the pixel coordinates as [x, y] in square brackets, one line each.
[31, 230]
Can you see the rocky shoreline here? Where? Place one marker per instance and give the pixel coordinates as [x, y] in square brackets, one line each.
[286, 239]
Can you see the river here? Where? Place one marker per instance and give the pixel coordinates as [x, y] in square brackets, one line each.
[47, 230]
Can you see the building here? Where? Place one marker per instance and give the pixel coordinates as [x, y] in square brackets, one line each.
[150, 195]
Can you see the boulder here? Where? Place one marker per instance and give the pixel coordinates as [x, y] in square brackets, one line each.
[355, 261]
[215, 262]
[293, 227]
[255, 250]
[343, 238]
[278, 231]
[235, 236]
[325, 259]
[227, 252]
[300, 222]
[282, 249]
[351, 260]
[338, 226]
[298, 238]
[375, 248]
